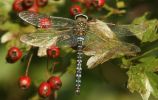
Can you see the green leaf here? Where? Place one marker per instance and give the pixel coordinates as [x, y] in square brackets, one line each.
[142, 77]
[136, 80]
[14, 27]
[149, 29]
[5, 8]
[6, 5]
[153, 79]
[151, 33]
[140, 19]
[125, 63]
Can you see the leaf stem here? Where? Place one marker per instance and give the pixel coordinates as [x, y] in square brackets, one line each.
[137, 57]
[112, 10]
[28, 64]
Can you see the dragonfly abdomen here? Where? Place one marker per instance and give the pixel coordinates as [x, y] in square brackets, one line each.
[79, 63]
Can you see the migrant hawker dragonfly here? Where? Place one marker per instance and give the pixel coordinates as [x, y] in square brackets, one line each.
[93, 37]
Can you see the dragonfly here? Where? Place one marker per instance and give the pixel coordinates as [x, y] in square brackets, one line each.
[92, 37]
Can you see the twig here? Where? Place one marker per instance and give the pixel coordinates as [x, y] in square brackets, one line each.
[28, 64]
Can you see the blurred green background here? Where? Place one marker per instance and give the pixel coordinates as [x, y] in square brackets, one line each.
[106, 82]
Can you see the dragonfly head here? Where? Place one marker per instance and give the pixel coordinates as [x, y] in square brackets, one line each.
[81, 26]
[81, 16]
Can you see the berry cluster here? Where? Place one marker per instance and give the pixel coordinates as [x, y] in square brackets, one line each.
[53, 83]
[88, 3]
[46, 88]
[14, 53]
[31, 5]
[95, 3]
[76, 9]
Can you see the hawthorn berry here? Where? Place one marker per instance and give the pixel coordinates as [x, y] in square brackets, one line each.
[75, 9]
[55, 82]
[88, 3]
[14, 54]
[34, 7]
[53, 52]
[44, 89]
[42, 3]
[24, 82]
[28, 3]
[18, 5]
[21, 5]
[44, 23]
[98, 3]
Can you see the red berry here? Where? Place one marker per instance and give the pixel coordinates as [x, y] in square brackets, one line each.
[42, 3]
[75, 9]
[14, 54]
[28, 3]
[88, 3]
[45, 23]
[24, 82]
[55, 82]
[98, 3]
[53, 52]
[44, 89]
[34, 7]
[17, 5]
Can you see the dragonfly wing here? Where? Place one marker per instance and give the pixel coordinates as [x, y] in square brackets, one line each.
[95, 60]
[94, 45]
[98, 46]
[46, 39]
[56, 22]
[124, 49]
[103, 44]
[101, 36]
[42, 52]
[101, 29]
[128, 30]
[119, 30]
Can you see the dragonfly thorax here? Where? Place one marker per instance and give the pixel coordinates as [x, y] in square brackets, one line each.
[80, 25]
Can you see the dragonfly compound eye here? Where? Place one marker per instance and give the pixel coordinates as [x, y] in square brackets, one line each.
[81, 15]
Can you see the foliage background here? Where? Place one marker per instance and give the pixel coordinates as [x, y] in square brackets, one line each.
[106, 82]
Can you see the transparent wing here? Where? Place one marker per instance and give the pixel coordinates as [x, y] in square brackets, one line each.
[128, 30]
[124, 49]
[101, 38]
[56, 22]
[95, 45]
[118, 30]
[103, 43]
[46, 39]
[102, 50]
